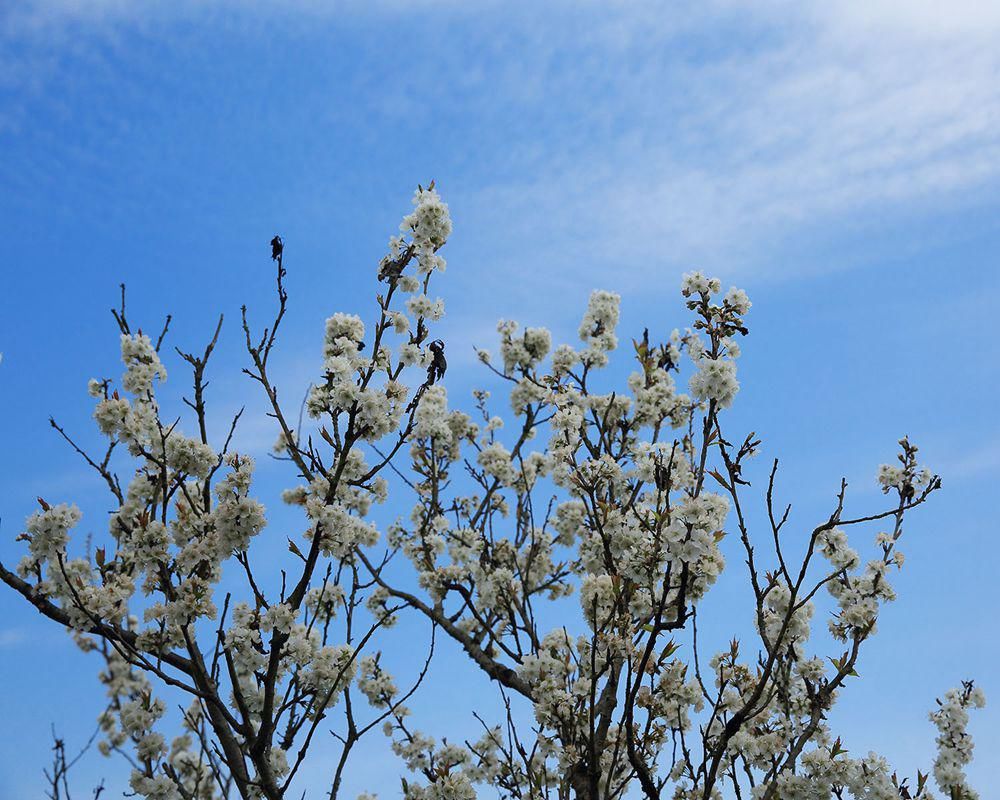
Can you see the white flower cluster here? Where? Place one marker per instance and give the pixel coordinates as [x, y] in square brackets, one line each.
[376, 683]
[656, 398]
[891, 477]
[954, 743]
[826, 768]
[715, 378]
[142, 364]
[338, 529]
[696, 283]
[47, 532]
[420, 305]
[495, 459]
[673, 697]
[598, 599]
[432, 421]
[781, 619]
[597, 329]
[237, 517]
[429, 225]
[560, 691]
[525, 352]
[377, 408]
[133, 423]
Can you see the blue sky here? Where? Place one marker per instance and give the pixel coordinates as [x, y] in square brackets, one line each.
[842, 164]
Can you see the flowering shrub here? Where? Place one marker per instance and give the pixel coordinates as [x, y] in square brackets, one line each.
[622, 499]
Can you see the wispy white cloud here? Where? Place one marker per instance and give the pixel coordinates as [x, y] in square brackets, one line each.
[11, 638]
[978, 461]
[709, 133]
[830, 118]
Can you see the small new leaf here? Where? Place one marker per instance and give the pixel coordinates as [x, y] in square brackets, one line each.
[722, 481]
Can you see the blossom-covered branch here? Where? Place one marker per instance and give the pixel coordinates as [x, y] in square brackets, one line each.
[610, 507]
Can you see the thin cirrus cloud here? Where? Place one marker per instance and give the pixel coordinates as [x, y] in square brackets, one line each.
[716, 132]
[829, 117]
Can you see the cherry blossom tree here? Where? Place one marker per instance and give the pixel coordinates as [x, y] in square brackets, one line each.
[617, 502]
